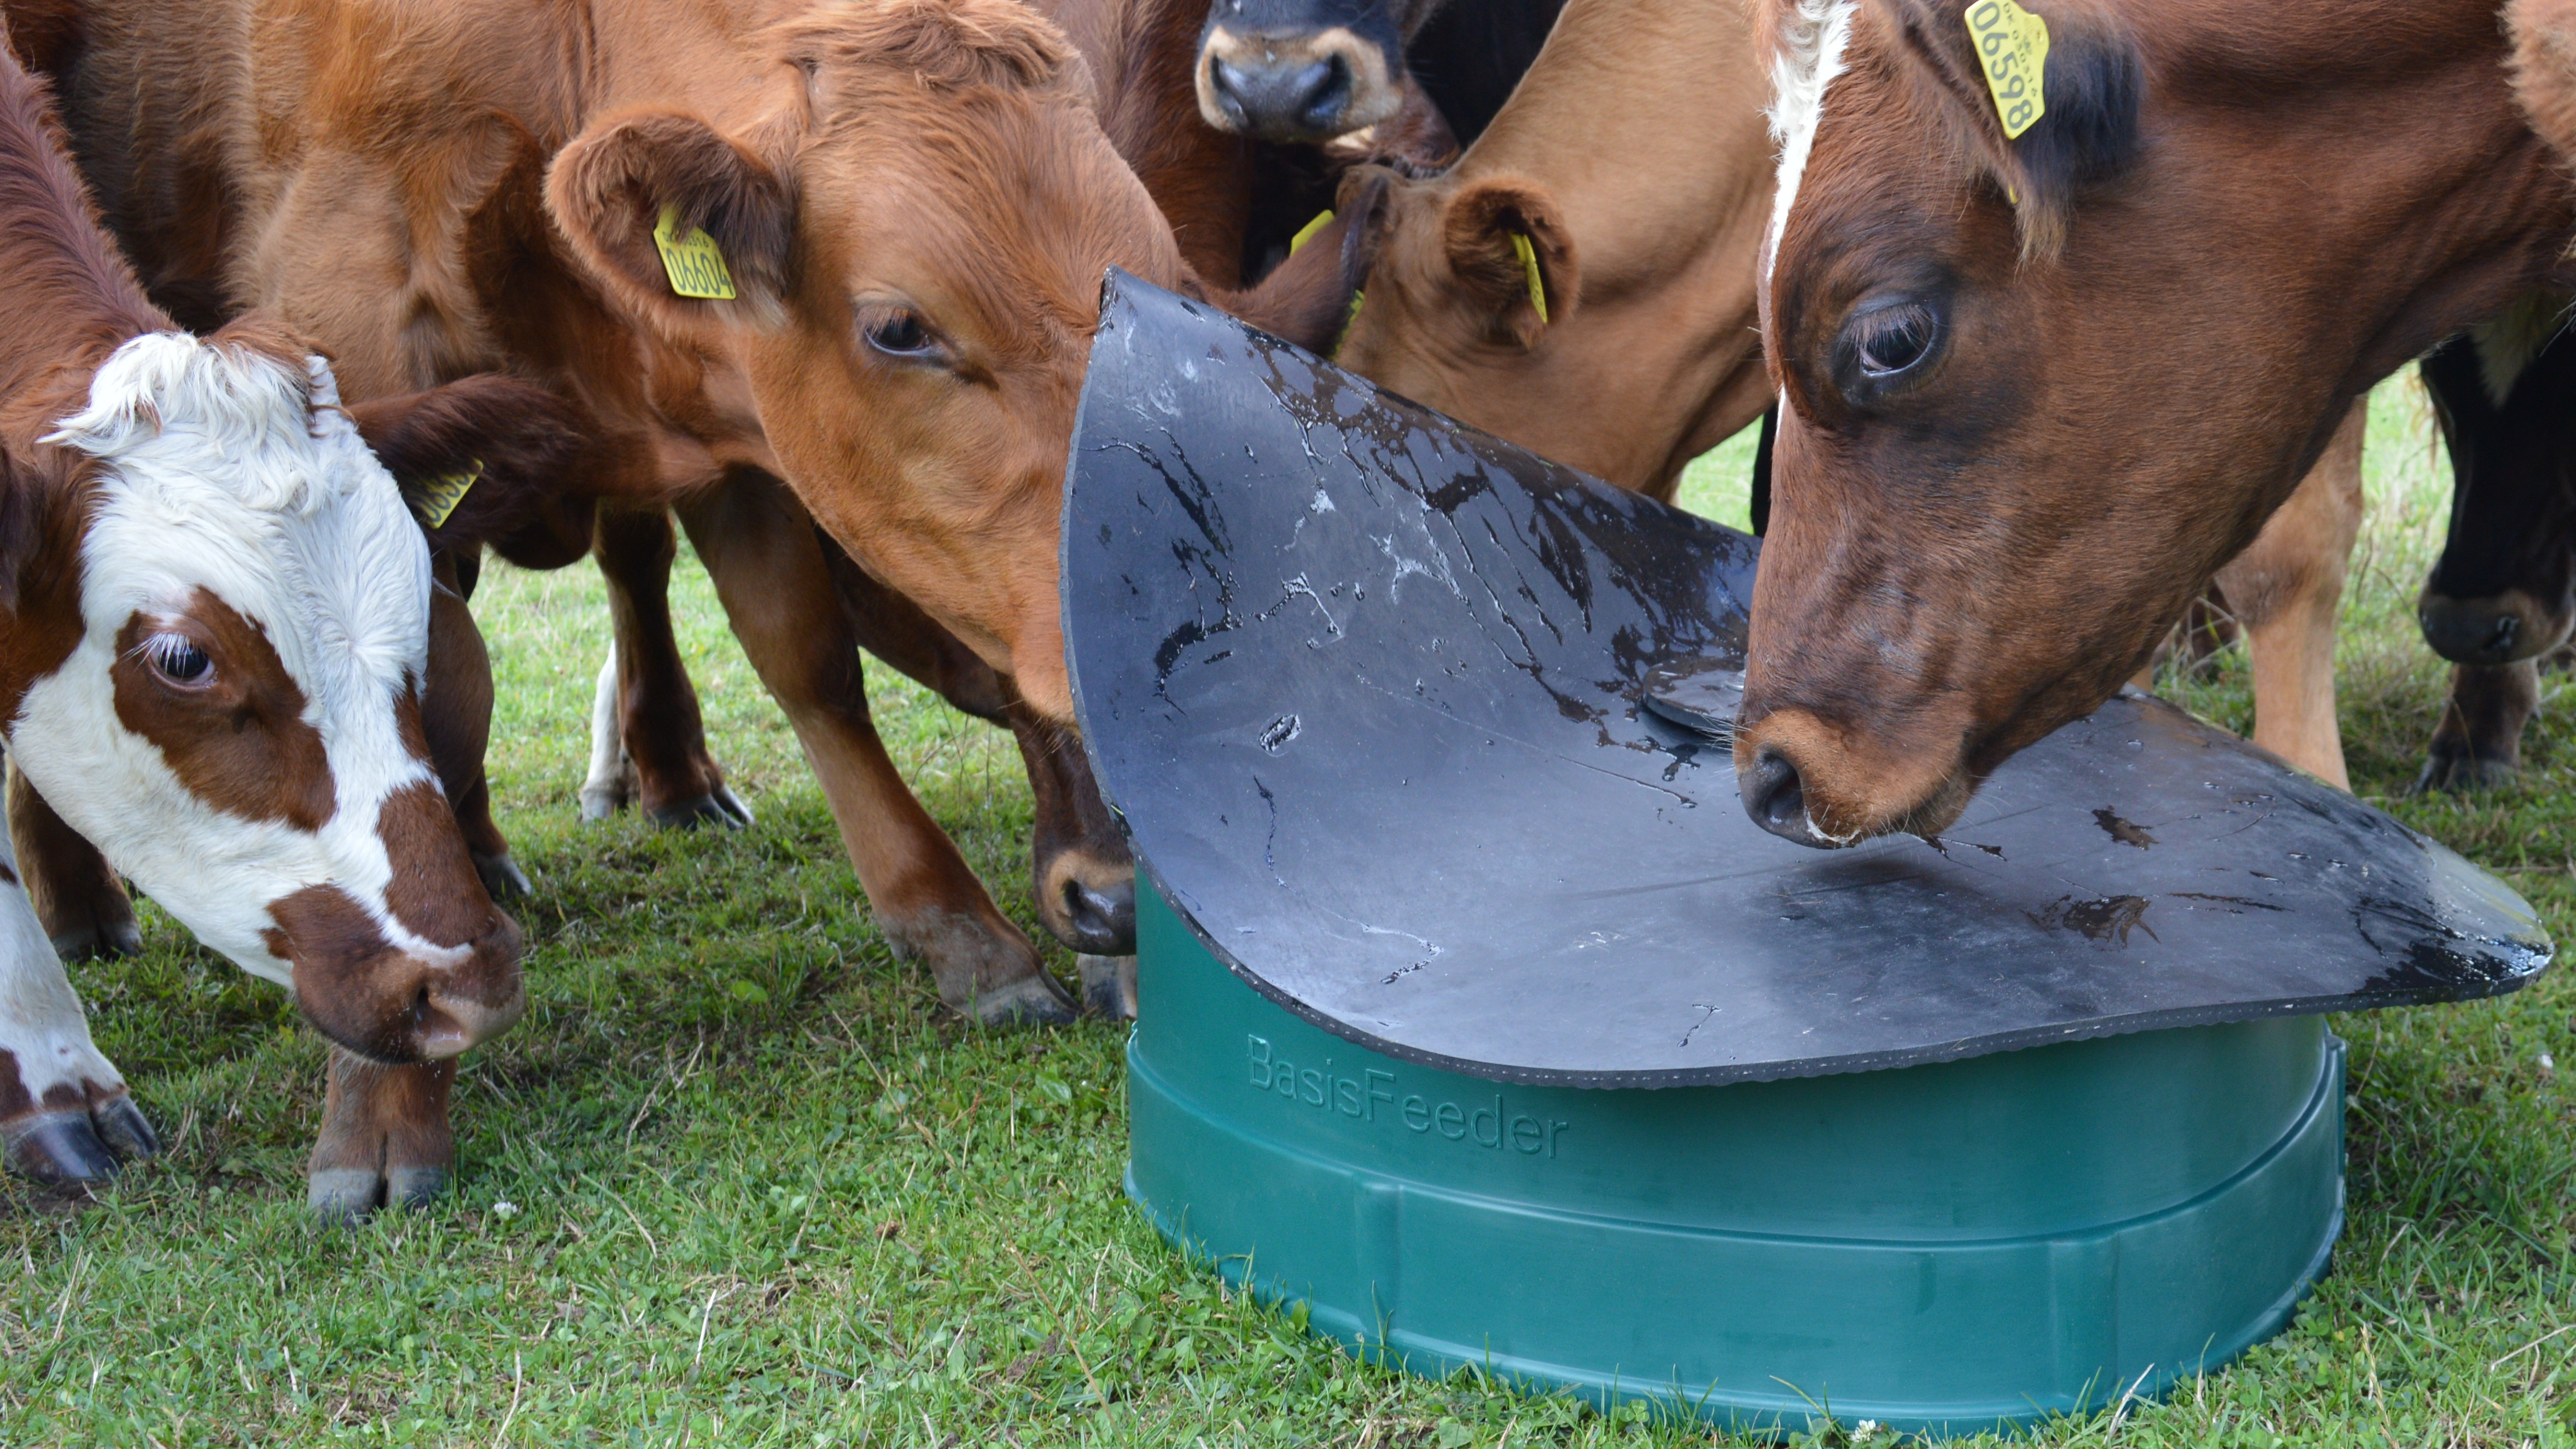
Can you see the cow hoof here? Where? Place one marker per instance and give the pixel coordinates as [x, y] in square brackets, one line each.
[110, 941]
[414, 1187]
[1031, 1001]
[1109, 986]
[502, 878]
[598, 802]
[719, 807]
[344, 1195]
[60, 1147]
[2457, 774]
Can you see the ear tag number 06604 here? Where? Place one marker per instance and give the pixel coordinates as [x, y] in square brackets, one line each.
[2012, 45]
[695, 265]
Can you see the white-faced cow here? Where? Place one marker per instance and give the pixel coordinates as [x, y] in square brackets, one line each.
[214, 623]
[2039, 383]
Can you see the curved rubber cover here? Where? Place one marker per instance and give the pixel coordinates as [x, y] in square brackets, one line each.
[1369, 689]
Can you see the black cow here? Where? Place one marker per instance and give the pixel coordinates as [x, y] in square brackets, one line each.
[2503, 595]
[1310, 70]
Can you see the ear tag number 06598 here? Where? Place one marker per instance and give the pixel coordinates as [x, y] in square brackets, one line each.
[2012, 46]
[695, 265]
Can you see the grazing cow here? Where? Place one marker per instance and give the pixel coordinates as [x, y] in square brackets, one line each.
[214, 628]
[1309, 70]
[2038, 386]
[1648, 353]
[2503, 594]
[912, 202]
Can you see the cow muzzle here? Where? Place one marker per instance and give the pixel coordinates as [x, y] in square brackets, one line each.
[2503, 628]
[396, 1006]
[1805, 781]
[1300, 88]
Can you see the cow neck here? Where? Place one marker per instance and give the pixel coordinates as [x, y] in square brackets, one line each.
[71, 298]
[1646, 114]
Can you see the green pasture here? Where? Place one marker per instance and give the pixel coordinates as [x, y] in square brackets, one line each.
[737, 1181]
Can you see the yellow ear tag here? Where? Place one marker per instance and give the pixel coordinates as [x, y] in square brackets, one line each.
[2012, 45]
[1529, 273]
[696, 267]
[1307, 232]
[439, 496]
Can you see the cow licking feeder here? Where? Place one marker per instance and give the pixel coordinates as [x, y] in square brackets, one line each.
[1335, 656]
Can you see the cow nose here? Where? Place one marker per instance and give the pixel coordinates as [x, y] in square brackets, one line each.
[465, 1005]
[1103, 916]
[1777, 799]
[2465, 631]
[1287, 99]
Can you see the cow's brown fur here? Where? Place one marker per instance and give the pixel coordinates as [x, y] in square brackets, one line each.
[2544, 68]
[2137, 359]
[1649, 354]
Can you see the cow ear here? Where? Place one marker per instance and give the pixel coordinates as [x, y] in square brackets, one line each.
[486, 459]
[680, 223]
[1511, 256]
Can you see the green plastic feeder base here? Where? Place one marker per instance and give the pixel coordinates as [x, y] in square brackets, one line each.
[1945, 1248]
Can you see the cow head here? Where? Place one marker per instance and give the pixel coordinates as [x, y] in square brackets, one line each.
[216, 604]
[1304, 70]
[2504, 589]
[2035, 390]
[915, 238]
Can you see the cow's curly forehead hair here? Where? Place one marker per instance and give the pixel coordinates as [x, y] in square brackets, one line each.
[939, 45]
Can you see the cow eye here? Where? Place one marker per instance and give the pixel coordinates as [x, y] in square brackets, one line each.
[901, 334]
[178, 660]
[1892, 339]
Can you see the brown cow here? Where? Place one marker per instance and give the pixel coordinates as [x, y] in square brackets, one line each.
[1650, 350]
[214, 627]
[914, 202]
[2088, 362]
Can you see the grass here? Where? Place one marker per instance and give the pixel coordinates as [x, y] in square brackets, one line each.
[737, 1182]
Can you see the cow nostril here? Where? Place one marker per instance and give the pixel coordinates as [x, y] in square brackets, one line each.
[1324, 93]
[1232, 86]
[1104, 920]
[1776, 796]
[2501, 637]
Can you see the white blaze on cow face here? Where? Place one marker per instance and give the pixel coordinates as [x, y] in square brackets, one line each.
[1809, 55]
[237, 729]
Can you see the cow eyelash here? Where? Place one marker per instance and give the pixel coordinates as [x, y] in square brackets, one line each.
[179, 660]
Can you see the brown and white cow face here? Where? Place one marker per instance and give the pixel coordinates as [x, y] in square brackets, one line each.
[2036, 390]
[227, 698]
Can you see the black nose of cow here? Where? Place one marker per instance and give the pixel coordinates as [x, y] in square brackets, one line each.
[2465, 633]
[1777, 799]
[1103, 917]
[1292, 100]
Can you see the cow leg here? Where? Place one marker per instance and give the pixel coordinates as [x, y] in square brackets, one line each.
[2284, 590]
[770, 570]
[64, 1112]
[384, 1142]
[82, 904]
[1084, 878]
[456, 714]
[2478, 745]
[661, 739]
